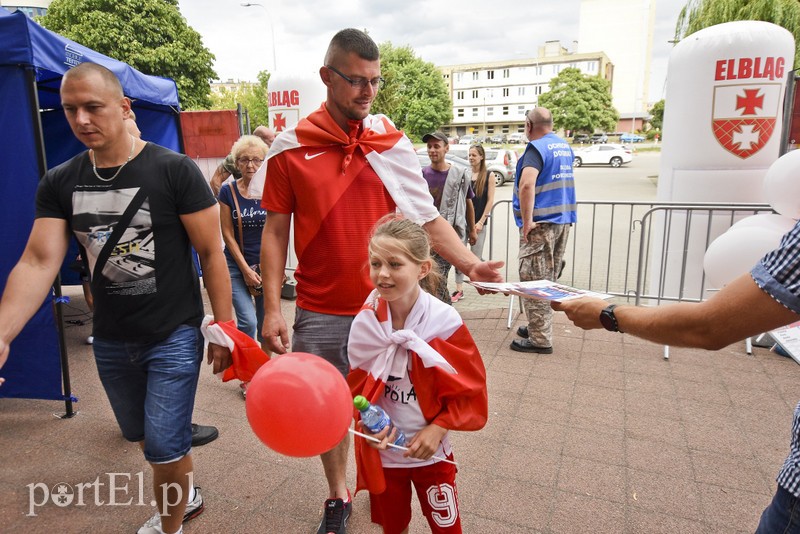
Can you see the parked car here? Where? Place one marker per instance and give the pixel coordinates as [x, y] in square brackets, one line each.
[498, 138]
[500, 162]
[581, 138]
[599, 138]
[502, 158]
[631, 138]
[517, 138]
[468, 139]
[608, 154]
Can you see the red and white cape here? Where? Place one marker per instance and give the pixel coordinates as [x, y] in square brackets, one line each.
[442, 360]
[388, 151]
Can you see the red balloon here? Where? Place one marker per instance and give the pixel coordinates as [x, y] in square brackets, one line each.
[299, 405]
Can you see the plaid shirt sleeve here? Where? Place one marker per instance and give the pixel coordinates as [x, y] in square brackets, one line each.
[778, 273]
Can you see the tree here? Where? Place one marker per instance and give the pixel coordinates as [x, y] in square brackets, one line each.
[252, 96]
[580, 102]
[415, 96]
[699, 14]
[657, 111]
[150, 35]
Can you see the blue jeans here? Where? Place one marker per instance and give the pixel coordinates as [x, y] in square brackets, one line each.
[249, 315]
[151, 388]
[323, 335]
[782, 516]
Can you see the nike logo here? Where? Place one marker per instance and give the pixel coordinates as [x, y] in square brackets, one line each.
[312, 156]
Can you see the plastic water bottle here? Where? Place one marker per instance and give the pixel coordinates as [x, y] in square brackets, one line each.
[375, 419]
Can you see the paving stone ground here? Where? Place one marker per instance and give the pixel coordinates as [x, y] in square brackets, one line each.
[604, 435]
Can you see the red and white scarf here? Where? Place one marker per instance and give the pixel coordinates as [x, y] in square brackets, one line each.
[378, 349]
[388, 151]
[449, 379]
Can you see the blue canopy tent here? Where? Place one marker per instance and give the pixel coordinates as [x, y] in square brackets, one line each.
[35, 136]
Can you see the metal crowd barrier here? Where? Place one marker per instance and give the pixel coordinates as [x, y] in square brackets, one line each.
[644, 252]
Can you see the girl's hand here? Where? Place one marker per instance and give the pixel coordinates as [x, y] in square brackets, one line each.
[425, 442]
[383, 435]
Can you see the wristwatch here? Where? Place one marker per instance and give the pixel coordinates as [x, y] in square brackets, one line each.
[609, 320]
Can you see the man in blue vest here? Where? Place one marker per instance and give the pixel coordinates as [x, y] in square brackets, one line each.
[544, 209]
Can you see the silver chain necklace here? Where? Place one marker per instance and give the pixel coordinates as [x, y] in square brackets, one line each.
[94, 163]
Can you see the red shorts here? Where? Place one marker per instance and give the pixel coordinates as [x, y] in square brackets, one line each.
[438, 497]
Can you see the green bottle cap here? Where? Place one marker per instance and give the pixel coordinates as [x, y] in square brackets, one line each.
[360, 402]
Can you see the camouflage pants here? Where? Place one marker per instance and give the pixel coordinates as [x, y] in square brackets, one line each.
[540, 259]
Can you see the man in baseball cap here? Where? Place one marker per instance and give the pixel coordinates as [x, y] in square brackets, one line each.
[437, 135]
[451, 189]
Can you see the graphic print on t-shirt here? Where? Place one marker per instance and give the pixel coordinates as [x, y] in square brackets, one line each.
[130, 270]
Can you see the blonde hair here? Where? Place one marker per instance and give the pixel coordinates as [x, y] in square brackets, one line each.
[413, 241]
[248, 141]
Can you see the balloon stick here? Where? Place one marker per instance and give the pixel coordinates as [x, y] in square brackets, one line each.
[398, 447]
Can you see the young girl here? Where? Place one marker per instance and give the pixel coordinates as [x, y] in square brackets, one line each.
[412, 355]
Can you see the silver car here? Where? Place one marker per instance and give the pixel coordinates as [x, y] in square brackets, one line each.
[501, 163]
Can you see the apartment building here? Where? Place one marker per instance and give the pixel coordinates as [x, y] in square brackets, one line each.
[491, 98]
[32, 8]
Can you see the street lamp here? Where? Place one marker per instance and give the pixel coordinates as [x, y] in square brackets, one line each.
[271, 29]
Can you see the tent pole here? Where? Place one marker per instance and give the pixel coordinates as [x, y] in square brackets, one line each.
[179, 123]
[62, 344]
[33, 94]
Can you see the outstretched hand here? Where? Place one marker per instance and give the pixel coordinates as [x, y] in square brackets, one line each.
[584, 312]
[486, 271]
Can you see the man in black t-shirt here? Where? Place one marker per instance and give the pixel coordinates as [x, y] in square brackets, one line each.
[137, 209]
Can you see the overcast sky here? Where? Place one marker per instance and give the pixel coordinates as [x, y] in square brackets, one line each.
[442, 32]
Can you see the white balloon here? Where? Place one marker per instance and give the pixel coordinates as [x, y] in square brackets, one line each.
[735, 252]
[768, 221]
[782, 185]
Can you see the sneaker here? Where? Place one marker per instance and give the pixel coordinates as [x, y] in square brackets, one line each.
[202, 434]
[152, 526]
[456, 296]
[196, 507]
[193, 509]
[334, 520]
